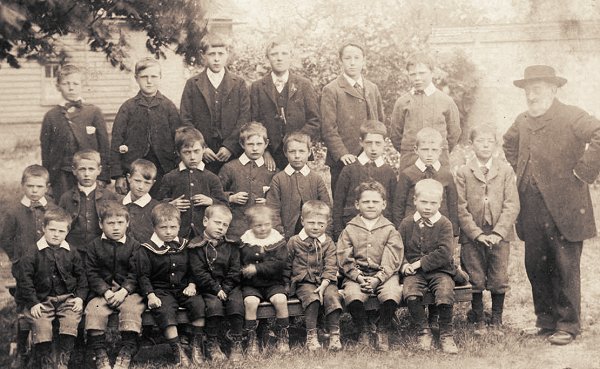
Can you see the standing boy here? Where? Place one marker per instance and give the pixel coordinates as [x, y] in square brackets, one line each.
[283, 102]
[423, 106]
[369, 253]
[53, 286]
[69, 127]
[369, 166]
[215, 263]
[144, 128]
[428, 263]
[111, 273]
[488, 206]
[139, 203]
[216, 102]
[346, 103]
[190, 187]
[246, 180]
[294, 186]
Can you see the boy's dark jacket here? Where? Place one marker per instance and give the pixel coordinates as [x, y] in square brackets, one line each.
[143, 127]
[215, 264]
[110, 262]
[270, 261]
[159, 267]
[35, 280]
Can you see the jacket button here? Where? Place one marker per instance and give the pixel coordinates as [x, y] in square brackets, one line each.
[191, 185]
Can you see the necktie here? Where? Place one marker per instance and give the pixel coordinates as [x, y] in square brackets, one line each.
[429, 171]
[425, 222]
[36, 204]
[485, 171]
[359, 89]
[73, 104]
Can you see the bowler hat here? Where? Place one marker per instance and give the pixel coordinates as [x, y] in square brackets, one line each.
[540, 73]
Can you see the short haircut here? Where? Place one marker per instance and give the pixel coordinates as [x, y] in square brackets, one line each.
[420, 58]
[187, 136]
[429, 185]
[374, 127]
[35, 170]
[217, 208]
[146, 63]
[257, 212]
[143, 167]
[252, 129]
[278, 42]
[350, 43]
[482, 129]
[214, 40]
[296, 137]
[315, 207]
[163, 212]
[429, 135]
[66, 70]
[370, 186]
[113, 209]
[56, 214]
[86, 154]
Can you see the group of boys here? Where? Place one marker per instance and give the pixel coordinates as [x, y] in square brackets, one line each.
[208, 224]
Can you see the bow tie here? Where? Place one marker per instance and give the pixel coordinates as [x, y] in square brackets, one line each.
[485, 171]
[425, 222]
[211, 242]
[73, 104]
[419, 92]
[36, 204]
[173, 245]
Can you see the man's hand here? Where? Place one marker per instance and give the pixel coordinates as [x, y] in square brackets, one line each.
[209, 155]
[153, 301]
[321, 289]
[223, 154]
[77, 305]
[269, 162]
[249, 271]
[181, 203]
[348, 159]
[201, 200]
[239, 198]
[222, 295]
[190, 290]
[36, 310]
[121, 186]
[119, 297]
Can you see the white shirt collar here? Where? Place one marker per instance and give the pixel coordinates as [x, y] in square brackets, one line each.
[429, 90]
[87, 190]
[284, 78]
[303, 236]
[244, 159]
[122, 239]
[353, 81]
[370, 223]
[42, 244]
[437, 216]
[215, 78]
[422, 167]
[26, 201]
[488, 164]
[141, 202]
[249, 238]
[290, 171]
[64, 102]
[200, 167]
[364, 159]
[158, 242]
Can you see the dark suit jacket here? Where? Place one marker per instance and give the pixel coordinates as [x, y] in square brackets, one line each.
[343, 111]
[554, 145]
[196, 109]
[302, 113]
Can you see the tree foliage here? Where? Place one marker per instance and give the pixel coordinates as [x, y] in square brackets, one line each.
[32, 28]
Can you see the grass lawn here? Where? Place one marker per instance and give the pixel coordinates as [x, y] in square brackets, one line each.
[511, 351]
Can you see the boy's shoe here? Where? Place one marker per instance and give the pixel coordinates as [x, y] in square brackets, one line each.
[101, 359]
[312, 340]
[213, 350]
[236, 347]
[535, 331]
[252, 343]
[561, 338]
[197, 354]
[334, 341]
[283, 341]
[496, 325]
[480, 329]
[46, 359]
[383, 343]
[181, 359]
[123, 359]
[425, 339]
[363, 339]
[63, 359]
[448, 345]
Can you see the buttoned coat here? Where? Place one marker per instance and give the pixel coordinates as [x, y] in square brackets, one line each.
[499, 190]
[311, 264]
[343, 111]
[302, 110]
[554, 145]
[196, 109]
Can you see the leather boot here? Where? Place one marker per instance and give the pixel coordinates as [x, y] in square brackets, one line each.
[181, 359]
[312, 340]
[213, 349]
[252, 343]
[101, 359]
[197, 354]
[236, 347]
[283, 340]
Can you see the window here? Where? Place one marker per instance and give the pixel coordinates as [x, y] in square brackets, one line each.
[50, 95]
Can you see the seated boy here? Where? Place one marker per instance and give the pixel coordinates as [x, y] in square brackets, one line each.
[369, 253]
[139, 202]
[488, 206]
[215, 263]
[369, 166]
[428, 264]
[265, 275]
[166, 280]
[246, 180]
[72, 126]
[189, 187]
[314, 274]
[294, 186]
[83, 202]
[112, 279]
[53, 285]
[144, 128]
